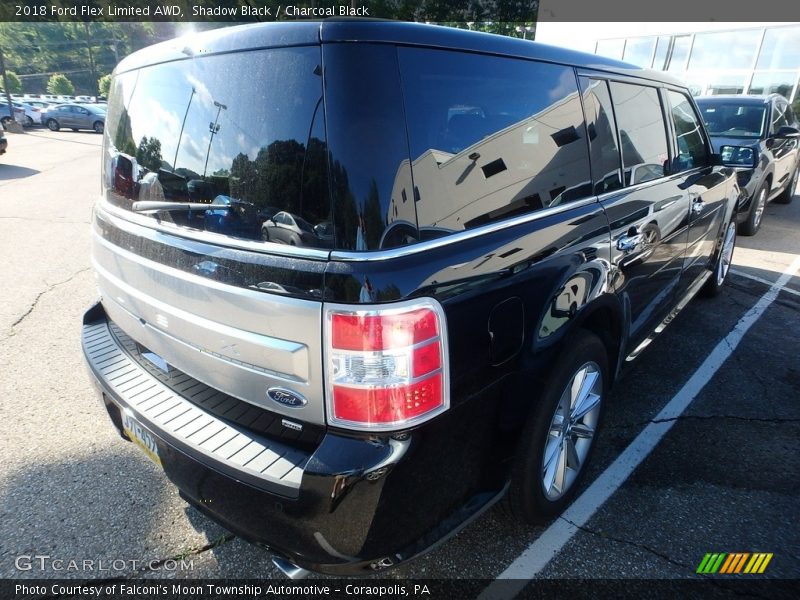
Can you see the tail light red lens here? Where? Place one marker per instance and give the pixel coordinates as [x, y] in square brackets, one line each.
[386, 365]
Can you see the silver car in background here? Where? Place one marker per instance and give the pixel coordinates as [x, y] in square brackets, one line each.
[75, 117]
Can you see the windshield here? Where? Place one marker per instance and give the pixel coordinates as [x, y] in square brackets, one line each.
[245, 128]
[732, 119]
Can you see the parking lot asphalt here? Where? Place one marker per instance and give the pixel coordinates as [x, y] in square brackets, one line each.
[723, 479]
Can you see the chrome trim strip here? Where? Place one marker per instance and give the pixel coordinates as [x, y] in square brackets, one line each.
[197, 279]
[225, 359]
[140, 225]
[460, 236]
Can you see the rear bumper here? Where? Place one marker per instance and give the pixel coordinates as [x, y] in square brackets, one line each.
[346, 508]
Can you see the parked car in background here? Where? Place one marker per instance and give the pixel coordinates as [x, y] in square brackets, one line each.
[232, 217]
[286, 228]
[33, 114]
[5, 114]
[765, 131]
[75, 117]
[3, 143]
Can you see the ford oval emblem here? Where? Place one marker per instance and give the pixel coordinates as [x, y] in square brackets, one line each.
[286, 397]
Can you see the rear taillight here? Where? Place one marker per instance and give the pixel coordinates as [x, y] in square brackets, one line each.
[386, 365]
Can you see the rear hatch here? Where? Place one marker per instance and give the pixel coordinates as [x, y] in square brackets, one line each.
[200, 152]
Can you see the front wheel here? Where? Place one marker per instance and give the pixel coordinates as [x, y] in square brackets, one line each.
[53, 125]
[98, 127]
[5, 121]
[557, 441]
[28, 121]
[714, 284]
[787, 194]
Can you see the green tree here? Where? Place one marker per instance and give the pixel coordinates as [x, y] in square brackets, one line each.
[59, 84]
[104, 84]
[148, 154]
[14, 83]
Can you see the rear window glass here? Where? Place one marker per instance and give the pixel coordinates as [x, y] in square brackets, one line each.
[239, 136]
[490, 137]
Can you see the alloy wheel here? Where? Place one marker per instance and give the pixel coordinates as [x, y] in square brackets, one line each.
[571, 431]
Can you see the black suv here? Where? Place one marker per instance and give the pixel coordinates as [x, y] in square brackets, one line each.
[494, 228]
[761, 134]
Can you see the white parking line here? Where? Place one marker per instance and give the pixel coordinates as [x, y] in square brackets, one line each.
[762, 280]
[536, 556]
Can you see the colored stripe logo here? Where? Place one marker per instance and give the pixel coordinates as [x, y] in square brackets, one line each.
[733, 563]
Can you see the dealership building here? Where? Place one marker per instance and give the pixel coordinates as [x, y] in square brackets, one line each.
[711, 57]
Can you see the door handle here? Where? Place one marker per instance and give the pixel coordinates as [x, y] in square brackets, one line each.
[629, 243]
[697, 205]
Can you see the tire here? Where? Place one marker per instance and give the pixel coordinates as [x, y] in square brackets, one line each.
[534, 494]
[265, 235]
[756, 213]
[98, 127]
[74, 129]
[723, 262]
[28, 121]
[5, 121]
[788, 193]
[53, 125]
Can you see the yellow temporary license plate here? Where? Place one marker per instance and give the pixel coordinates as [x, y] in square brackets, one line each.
[141, 437]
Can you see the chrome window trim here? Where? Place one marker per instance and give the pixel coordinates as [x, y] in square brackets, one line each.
[460, 236]
[132, 223]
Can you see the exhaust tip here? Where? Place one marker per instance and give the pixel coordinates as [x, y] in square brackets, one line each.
[291, 570]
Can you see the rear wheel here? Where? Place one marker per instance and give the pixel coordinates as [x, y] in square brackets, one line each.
[28, 121]
[98, 127]
[53, 125]
[5, 121]
[723, 264]
[557, 441]
[788, 193]
[756, 214]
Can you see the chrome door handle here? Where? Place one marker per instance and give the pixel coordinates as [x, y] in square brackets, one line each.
[697, 205]
[629, 243]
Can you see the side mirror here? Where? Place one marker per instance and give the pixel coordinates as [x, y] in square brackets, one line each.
[738, 156]
[787, 132]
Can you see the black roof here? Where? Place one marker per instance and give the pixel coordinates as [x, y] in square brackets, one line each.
[298, 33]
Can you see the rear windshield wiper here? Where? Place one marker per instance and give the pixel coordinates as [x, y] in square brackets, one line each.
[151, 206]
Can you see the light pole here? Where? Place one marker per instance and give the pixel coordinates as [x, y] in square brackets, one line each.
[186, 114]
[214, 129]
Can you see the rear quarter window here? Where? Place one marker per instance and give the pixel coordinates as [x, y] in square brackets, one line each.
[491, 137]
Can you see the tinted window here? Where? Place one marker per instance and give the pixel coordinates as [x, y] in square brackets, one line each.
[690, 141]
[779, 118]
[602, 131]
[369, 149]
[247, 126]
[491, 137]
[641, 131]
